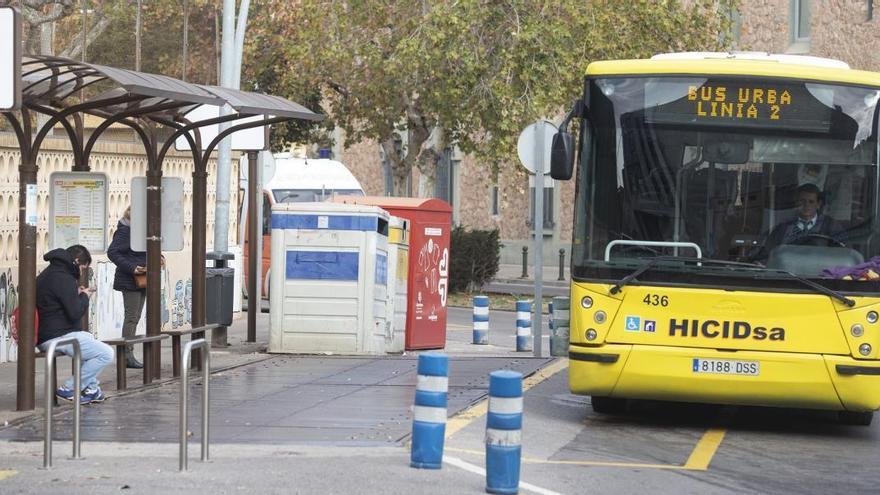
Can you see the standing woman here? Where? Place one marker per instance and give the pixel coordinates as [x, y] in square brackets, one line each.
[128, 263]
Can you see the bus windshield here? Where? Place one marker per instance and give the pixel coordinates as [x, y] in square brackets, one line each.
[777, 175]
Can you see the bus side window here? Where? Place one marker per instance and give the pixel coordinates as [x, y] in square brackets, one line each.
[267, 215]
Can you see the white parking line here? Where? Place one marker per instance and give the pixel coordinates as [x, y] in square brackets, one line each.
[473, 468]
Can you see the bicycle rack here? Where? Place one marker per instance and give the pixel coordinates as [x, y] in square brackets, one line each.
[50, 393]
[184, 381]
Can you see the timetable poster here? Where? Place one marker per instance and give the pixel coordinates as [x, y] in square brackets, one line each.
[78, 204]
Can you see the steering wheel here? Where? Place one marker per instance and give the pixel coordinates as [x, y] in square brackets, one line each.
[830, 240]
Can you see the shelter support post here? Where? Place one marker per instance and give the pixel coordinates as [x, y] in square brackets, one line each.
[154, 270]
[200, 207]
[254, 228]
[27, 280]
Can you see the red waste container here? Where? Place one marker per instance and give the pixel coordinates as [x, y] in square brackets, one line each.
[430, 223]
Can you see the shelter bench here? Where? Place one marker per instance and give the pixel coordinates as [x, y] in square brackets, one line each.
[120, 344]
[196, 332]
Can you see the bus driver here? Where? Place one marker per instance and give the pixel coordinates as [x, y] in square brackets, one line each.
[808, 222]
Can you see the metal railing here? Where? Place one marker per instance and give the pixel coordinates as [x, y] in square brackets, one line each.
[50, 393]
[184, 381]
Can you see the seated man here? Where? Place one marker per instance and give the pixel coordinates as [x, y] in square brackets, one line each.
[809, 221]
[61, 304]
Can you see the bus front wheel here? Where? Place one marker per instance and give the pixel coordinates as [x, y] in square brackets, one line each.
[855, 418]
[608, 405]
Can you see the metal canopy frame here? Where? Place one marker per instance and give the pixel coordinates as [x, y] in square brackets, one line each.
[146, 103]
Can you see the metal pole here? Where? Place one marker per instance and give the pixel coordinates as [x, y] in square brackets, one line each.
[539, 239]
[254, 227]
[137, 36]
[206, 377]
[184, 379]
[221, 195]
[184, 383]
[185, 38]
[50, 393]
[525, 272]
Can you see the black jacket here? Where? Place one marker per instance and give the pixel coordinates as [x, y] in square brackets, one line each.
[124, 258]
[59, 303]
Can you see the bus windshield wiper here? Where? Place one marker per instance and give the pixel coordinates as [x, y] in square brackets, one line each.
[815, 286]
[685, 259]
[629, 278]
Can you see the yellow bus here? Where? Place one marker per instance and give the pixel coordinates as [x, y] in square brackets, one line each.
[725, 233]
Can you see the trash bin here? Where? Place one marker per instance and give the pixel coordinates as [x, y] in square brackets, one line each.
[430, 221]
[330, 288]
[219, 288]
[398, 269]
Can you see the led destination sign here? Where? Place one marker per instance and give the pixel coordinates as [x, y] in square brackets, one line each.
[745, 104]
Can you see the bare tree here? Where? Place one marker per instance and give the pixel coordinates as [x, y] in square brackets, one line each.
[36, 13]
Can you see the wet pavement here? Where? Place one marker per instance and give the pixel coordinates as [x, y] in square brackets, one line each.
[284, 400]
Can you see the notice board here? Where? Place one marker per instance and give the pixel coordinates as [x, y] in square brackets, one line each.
[78, 210]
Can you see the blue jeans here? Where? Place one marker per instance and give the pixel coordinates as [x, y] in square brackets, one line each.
[95, 356]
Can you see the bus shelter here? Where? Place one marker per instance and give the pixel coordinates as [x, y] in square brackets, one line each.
[155, 107]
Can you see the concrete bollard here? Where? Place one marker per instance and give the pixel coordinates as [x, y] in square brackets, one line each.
[481, 320]
[504, 432]
[429, 414]
[523, 326]
[559, 331]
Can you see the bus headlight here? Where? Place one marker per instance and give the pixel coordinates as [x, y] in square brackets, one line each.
[599, 317]
[865, 349]
[591, 334]
[857, 330]
[587, 302]
[872, 317]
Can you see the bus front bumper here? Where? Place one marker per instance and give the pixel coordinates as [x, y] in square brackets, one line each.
[666, 373]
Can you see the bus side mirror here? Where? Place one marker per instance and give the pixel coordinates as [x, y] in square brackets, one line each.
[562, 156]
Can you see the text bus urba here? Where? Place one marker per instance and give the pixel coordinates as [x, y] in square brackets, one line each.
[726, 218]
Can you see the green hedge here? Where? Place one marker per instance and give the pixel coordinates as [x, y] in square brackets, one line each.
[474, 257]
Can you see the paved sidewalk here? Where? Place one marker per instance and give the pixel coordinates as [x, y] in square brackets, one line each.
[239, 352]
[509, 280]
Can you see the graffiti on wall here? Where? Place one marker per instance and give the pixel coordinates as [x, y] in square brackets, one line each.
[8, 330]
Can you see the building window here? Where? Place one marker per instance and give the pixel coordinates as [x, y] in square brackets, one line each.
[548, 208]
[495, 205]
[801, 21]
[444, 180]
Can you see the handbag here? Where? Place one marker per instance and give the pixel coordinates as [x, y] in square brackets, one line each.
[140, 280]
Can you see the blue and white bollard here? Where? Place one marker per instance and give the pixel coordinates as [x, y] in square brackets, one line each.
[429, 414]
[481, 320]
[504, 432]
[523, 326]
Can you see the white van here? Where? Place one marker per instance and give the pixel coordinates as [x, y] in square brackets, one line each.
[298, 180]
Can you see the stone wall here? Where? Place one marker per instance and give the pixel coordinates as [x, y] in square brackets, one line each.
[839, 29]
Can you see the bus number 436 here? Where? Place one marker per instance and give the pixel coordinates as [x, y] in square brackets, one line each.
[656, 300]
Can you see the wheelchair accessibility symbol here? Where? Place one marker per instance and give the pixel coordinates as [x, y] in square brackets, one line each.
[633, 323]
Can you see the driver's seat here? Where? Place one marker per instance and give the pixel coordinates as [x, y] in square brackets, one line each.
[809, 261]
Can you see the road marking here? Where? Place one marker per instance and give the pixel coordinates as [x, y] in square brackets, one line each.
[534, 460]
[704, 451]
[473, 468]
[7, 474]
[478, 410]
